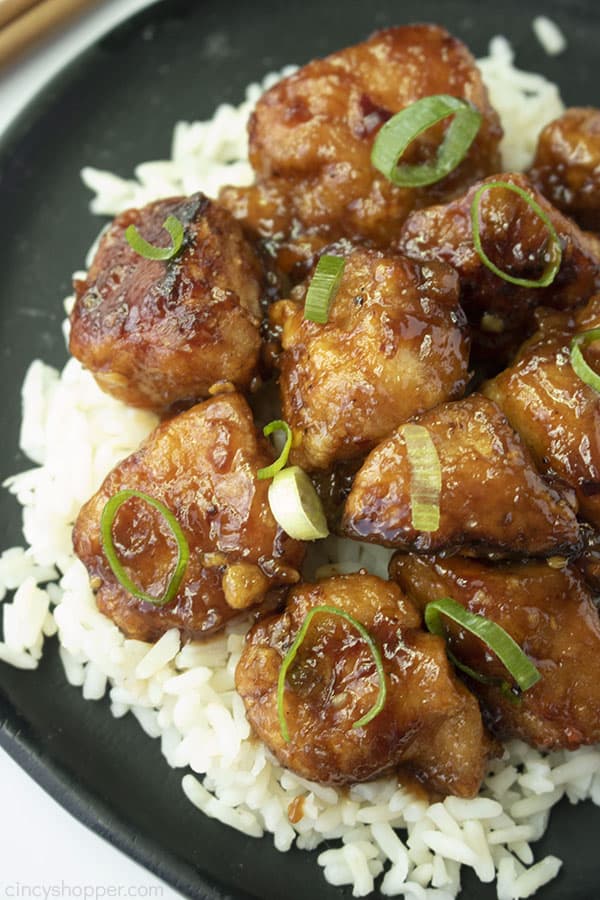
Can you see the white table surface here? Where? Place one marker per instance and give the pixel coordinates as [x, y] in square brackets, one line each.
[43, 850]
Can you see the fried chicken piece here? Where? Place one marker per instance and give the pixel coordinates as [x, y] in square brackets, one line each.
[158, 333]
[566, 168]
[394, 345]
[589, 561]
[554, 411]
[516, 240]
[202, 466]
[333, 487]
[492, 499]
[312, 134]
[430, 725]
[549, 612]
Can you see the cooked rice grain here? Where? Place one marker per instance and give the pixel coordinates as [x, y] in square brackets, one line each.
[549, 35]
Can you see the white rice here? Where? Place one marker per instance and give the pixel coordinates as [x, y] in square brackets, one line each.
[204, 156]
[525, 101]
[185, 696]
[549, 35]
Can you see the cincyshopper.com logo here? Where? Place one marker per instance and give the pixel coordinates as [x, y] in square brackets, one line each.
[19, 890]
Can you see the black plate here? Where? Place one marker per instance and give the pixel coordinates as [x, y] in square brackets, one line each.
[112, 108]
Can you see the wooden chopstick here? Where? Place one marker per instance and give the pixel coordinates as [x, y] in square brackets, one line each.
[35, 23]
[10, 9]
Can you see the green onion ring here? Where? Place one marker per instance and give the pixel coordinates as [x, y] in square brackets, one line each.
[183, 551]
[512, 694]
[296, 506]
[270, 471]
[580, 365]
[291, 655]
[555, 256]
[402, 129]
[323, 287]
[494, 636]
[149, 251]
[425, 477]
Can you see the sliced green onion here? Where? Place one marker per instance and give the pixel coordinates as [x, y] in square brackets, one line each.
[183, 551]
[277, 425]
[554, 255]
[578, 361]
[296, 506]
[493, 636]
[492, 680]
[323, 287]
[425, 477]
[402, 129]
[149, 251]
[291, 655]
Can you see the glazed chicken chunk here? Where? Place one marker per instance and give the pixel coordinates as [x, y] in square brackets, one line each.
[555, 412]
[430, 725]
[550, 614]
[201, 465]
[492, 499]
[394, 345]
[588, 563]
[566, 168]
[312, 134]
[158, 333]
[517, 241]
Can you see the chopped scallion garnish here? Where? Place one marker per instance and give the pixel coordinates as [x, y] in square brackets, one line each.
[149, 251]
[425, 477]
[296, 506]
[553, 254]
[493, 636]
[291, 655]
[277, 425]
[323, 287]
[183, 551]
[402, 129]
[578, 361]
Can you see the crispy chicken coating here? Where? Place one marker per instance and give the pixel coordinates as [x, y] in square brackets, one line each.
[566, 168]
[312, 134]
[588, 564]
[516, 240]
[158, 333]
[394, 345]
[430, 725]
[549, 612]
[202, 466]
[554, 411]
[492, 499]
